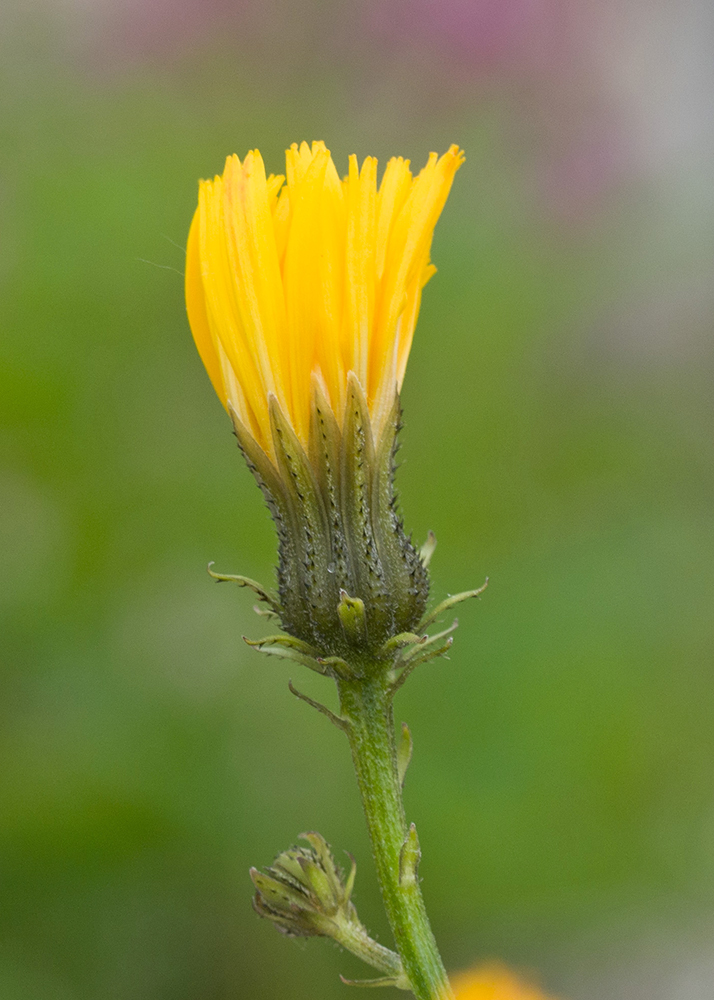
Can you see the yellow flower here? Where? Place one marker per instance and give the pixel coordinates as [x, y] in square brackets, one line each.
[292, 286]
[492, 982]
[302, 294]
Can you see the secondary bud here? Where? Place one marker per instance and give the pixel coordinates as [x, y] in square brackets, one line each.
[303, 892]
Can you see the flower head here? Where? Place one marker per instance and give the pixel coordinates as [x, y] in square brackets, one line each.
[302, 294]
[302, 279]
[493, 982]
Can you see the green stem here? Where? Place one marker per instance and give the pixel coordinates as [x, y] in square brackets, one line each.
[354, 937]
[367, 704]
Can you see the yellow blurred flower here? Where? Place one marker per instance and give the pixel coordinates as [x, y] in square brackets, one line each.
[290, 286]
[493, 982]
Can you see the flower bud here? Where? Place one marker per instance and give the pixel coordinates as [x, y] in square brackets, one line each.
[304, 893]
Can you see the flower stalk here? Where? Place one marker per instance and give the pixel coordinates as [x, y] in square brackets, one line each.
[367, 706]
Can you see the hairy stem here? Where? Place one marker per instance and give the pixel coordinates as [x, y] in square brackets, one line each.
[354, 938]
[366, 703]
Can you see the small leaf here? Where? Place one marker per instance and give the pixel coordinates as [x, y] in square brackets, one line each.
[427, 549]
[409, 858]
[336, 720]
[404, 752]
[399, 982]
[350, 882]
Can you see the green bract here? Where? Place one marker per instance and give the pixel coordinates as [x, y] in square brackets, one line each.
[349, 577]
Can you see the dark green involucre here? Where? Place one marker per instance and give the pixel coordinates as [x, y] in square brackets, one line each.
[349, 577]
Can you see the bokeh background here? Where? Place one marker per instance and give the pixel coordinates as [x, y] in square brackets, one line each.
[559, 438]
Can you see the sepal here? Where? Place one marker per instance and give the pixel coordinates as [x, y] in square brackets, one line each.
[450, 602]
[353, 619]
[401, 641]
[352, 587]
[404, 567]
[430, 647]
[308, 589]
[357, 469]
[271, 487]
[245, 581]
[324, 453]
[266, 613]
[287, 647]
[349, 578]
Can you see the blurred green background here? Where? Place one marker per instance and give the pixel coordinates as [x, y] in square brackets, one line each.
[559, 411]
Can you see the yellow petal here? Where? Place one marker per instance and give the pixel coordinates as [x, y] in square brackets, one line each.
[392, 193]
[407, 245]
[256, 269]
[222, 310]
[361, 197]
[281, 224]
[196, 309]
[301, 282]
[298, 280]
